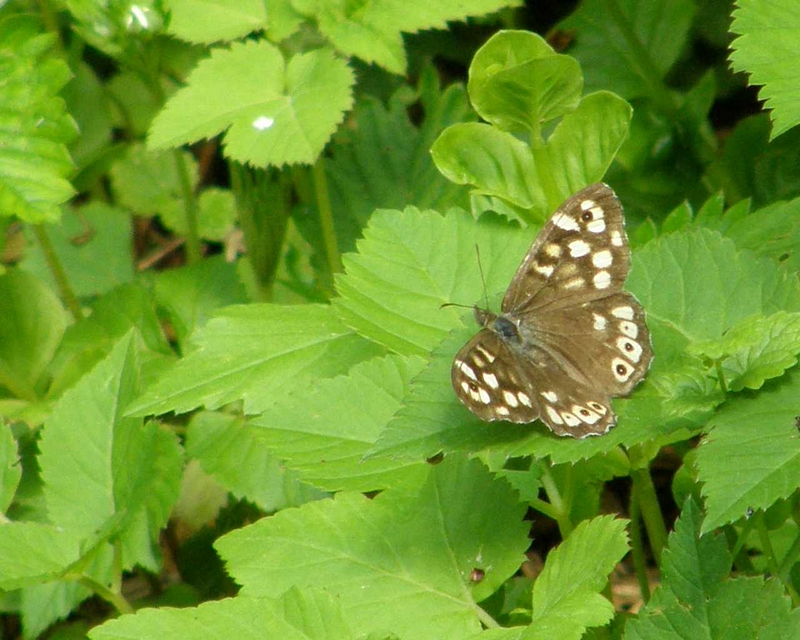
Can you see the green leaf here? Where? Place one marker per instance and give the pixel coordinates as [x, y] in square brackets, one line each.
[410, 263]
[631, 47]
[93, 243]
[566, 595]
[324, 435]
[274, 113]
[756, 436]
[769, 36]
[32, 326]
[216, 214]
[190, 294]
[585, 142]
[148, 182]
[10, 469]
[517, 82]
[400, 562]
[31, 552]
[87, 342]
[493, 161]
[205, 21]
[35, 128]
[85, 486]
[696, 601]
[255, 352]
[229, 451]
[755, 349]
[310, 614]
[372, 31]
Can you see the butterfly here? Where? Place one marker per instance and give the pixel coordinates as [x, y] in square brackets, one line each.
[568, 337]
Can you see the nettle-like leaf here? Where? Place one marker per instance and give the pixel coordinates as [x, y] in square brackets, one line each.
[256, 353]
[373, 31]
[399, 563]
[696, 601]
[84, 486]
[756, 437]
[755, 349]
[410, 263]
[35, 129]
[274, 112]
[517, 82]
[310, 614]
[229, 451]
[325, 431]
[769, 36]
[32, 552]
[33, 322]
[207, 21]
[619, 49]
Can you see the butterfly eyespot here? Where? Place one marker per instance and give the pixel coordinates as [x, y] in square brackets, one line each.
[628, 346]
[586, 216]
[621, 370]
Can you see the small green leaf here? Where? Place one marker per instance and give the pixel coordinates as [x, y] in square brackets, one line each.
[755, 349]
[493, 161]
[255, 352]
[566, 595]
[10, 469]
[274, 113]
[769, 36]
[216, 214]
[756, 436]
[324, 435]
[517, 82]
[401, 561]
[310, 614]
[205, 21]
[34, 161]
[32, 325]
[31, 552]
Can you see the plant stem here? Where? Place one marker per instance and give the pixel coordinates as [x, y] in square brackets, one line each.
[326, 217]
[115, 599]
[193, 251]
[560, 508]
[789, 559]
[769, 554]
[651, 512]
[59, 275]
[544, 507]
[637, 547]
[488, 621]
[721, 376]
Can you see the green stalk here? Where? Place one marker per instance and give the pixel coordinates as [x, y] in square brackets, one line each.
[789, 559]
[560, 507]
[193, 249]
[332, 255]
[721, 376]
[59, 275]
[637, 547]
[116, 600]
[651, 511]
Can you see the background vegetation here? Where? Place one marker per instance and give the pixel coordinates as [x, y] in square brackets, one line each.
[228, 227]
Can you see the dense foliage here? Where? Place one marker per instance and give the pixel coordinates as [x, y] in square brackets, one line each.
[229, 227]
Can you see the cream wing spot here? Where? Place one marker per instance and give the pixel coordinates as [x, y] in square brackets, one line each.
[545, 269]
[550, 396]
[629, 329]
[484, 395]
[602, 280]
[555, 418]
[575, 283]
[602, 259]
[616, 238]
[491, 380]
[571, 419]
[624, 312]
[476, 360]
[599, 322]
[578, 248]
[553, 250]
[597, 212]
[597, 407]
[630, 349]
[467, 370]
[486, 354]
[510, 399]
[587, 204]
[587, 416]
[524, 399]
[502, 411]
[596, 226]
[465, 386]
[565, 222]
[621, 369]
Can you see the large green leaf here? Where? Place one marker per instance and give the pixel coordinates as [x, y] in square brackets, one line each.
[210, 20]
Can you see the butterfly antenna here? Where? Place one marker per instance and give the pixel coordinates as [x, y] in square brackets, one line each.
[483, 277]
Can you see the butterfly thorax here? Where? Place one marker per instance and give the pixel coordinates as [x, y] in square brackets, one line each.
[503, 326]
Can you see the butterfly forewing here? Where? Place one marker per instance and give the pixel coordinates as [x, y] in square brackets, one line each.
[569, 338]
